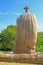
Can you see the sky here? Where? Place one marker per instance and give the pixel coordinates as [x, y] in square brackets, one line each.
[10, 10]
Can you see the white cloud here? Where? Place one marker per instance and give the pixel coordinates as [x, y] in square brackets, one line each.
[16, 14]
[3, 13]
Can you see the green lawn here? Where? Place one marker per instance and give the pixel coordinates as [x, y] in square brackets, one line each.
[8, 63]
[4, 52]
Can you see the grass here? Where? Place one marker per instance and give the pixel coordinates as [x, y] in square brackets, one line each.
[4, 52]
[8, 63]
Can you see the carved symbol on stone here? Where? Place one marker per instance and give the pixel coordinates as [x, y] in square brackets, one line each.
[26, 8]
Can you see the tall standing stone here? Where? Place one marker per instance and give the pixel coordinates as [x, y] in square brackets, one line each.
[26, 34]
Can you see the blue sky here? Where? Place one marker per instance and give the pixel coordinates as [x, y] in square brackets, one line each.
[11, 9]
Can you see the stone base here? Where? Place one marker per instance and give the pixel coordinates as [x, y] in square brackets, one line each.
[28, 58]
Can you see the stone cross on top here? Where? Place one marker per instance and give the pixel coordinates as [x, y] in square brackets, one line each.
[26, 8]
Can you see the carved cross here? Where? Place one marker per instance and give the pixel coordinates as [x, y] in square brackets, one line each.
[26, 8]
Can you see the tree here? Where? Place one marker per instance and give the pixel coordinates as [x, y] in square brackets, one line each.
[7, 37]
[39, 46]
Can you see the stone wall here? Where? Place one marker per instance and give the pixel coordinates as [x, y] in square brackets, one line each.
[28, 58]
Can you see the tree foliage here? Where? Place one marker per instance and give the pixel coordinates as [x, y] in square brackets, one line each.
[7, 39]
[39, 46]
